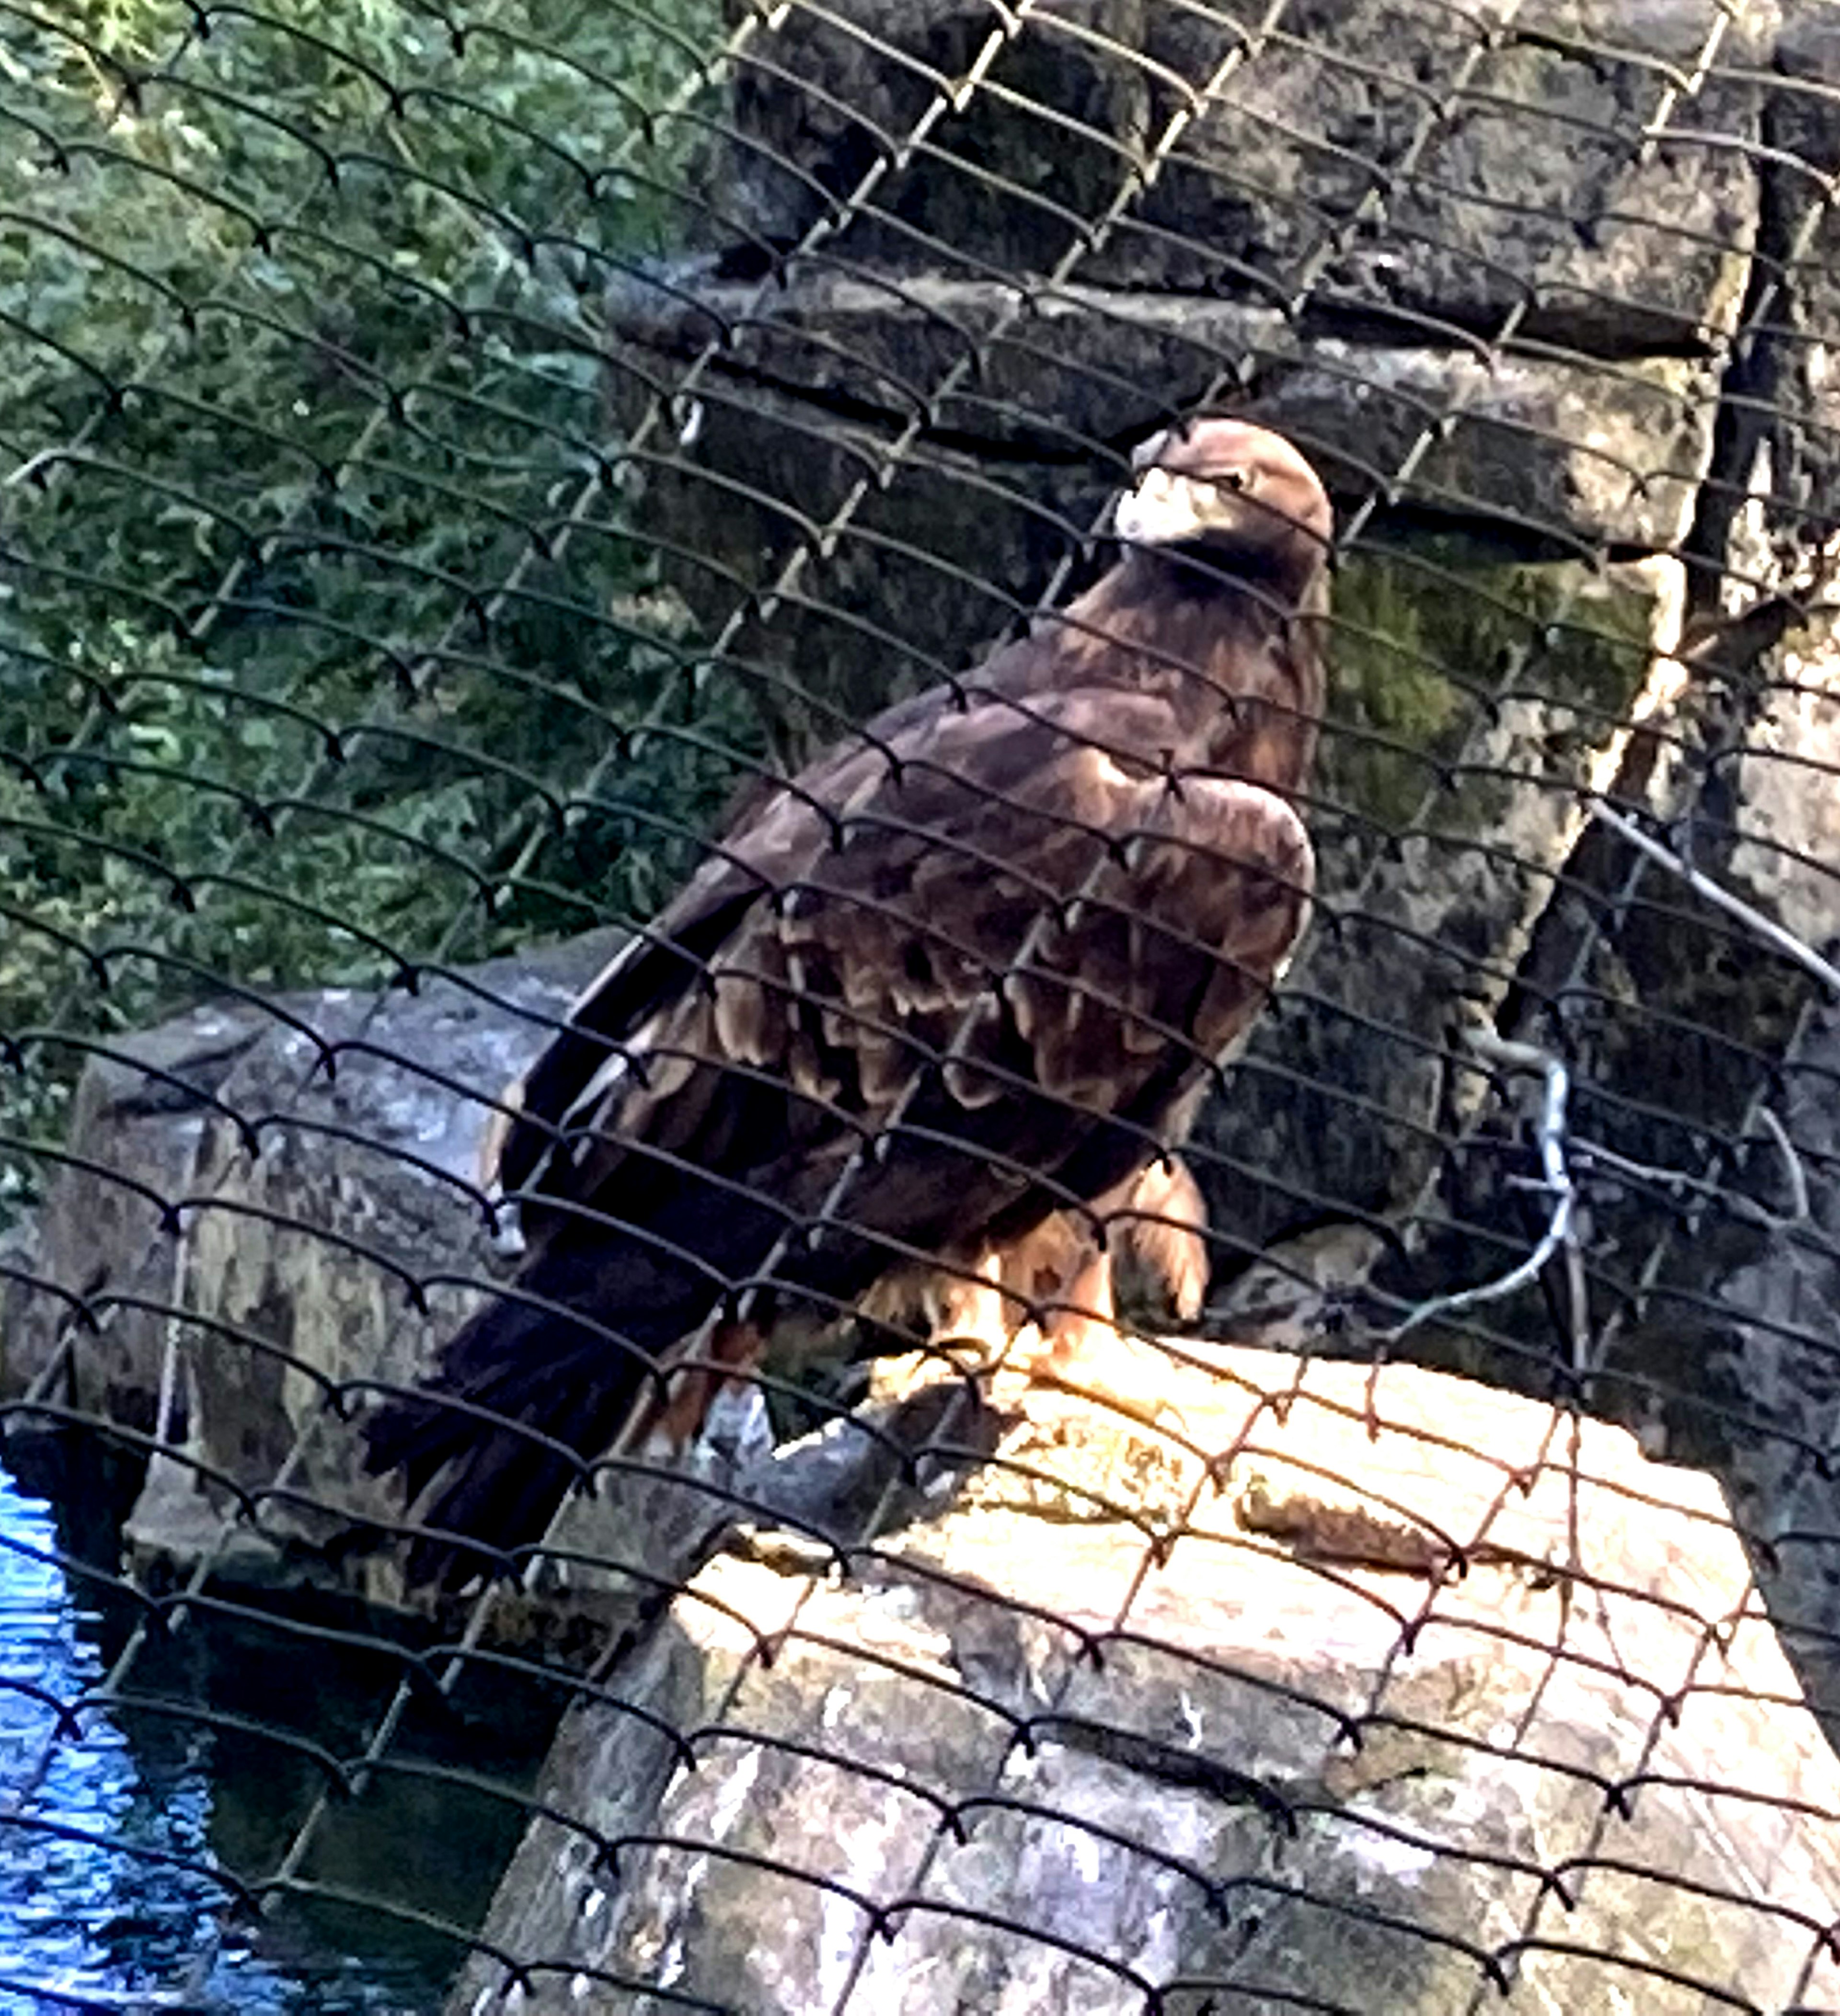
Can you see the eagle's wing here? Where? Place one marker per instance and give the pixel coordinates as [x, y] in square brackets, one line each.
[986, 930]
[952, 979]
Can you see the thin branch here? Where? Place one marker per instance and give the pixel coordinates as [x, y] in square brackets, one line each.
[1753, 920]
[1556, 1182]
[1792, 1161]
[1802, 1229]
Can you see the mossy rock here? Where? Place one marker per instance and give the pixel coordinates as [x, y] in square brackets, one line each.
[1431, 639]
[1472, 699]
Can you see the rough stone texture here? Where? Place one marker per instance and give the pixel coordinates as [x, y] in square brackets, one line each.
[1768, 1371]
[1561, 449]
[1381, 151]
[1712, 1304]
[1284, 1760]
[1786, 854]
[1435, 856]
[1730, 1359]
[1550, 162]
[285, 1286]
[291, 1264]
[135, 1130]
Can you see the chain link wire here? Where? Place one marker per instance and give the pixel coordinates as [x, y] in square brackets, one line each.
[451, 450]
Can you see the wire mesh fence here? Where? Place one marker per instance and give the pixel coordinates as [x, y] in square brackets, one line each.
[549, 1483]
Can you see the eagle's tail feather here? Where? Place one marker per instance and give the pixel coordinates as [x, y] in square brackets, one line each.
[504, 1484]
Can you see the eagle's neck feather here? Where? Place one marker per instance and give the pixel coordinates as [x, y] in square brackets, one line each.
[1210, 643]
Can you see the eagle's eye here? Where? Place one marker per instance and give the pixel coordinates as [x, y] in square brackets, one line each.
[1235, 479]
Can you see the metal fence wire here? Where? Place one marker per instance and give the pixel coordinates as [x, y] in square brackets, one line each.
[473, 469]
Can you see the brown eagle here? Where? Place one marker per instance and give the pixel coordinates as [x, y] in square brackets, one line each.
[969, 971]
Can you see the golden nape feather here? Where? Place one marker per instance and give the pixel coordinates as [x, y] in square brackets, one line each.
[968, 973]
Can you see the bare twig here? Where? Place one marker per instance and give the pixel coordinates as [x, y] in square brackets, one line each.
[1792, 1161]
[1801, 1226]
[1753, 920]
[1556, 1182]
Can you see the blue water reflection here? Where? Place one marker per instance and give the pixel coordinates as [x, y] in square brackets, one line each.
[109, 1897]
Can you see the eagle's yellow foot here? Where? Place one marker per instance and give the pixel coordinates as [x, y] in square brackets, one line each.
[1078, 1348]
[964, 1316]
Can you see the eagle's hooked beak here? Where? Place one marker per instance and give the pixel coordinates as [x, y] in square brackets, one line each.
[1148, 453]
[1163, 508]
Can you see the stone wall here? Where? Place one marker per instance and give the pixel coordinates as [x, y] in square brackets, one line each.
[1498, 269]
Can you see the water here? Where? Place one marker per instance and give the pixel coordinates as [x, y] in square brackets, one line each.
[115, 1843]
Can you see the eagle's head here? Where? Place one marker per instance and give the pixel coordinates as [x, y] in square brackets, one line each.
[1229, 493]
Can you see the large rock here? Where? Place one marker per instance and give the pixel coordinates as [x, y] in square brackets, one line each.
[1358, 1730]
[1441, 816]
[1756, 1303]
[1561, 168]
[1554, 448]
[1698, 1129]
[1565, 167]
[106, 1231]
[1710, 1063]
[1785, 842]
[330, 1223]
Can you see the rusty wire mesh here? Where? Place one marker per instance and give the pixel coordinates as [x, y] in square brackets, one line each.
[449, 450]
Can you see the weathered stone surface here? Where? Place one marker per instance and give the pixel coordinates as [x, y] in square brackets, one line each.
[1699, 1127]
[288, 1271]
[134, 1131]
[1290, 1760]
[1560, 164]
[1785, 854]
[1468, 167]
[1440, 818]
[1562, 449]
[1761, 1326]
[1724, 1355]
[287, 1291]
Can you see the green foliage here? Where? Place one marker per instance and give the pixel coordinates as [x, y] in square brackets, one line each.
[317, 615]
